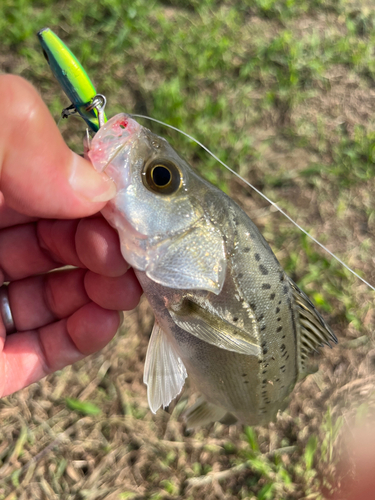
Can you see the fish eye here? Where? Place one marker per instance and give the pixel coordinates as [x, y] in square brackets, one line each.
[162, 176]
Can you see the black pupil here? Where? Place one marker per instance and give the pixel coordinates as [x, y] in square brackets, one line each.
[161, 176]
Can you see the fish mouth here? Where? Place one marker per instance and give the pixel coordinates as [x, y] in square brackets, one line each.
[111, 139]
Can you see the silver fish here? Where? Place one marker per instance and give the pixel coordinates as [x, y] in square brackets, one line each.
[226, 314]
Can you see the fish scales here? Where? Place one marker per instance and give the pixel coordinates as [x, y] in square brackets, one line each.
[226, 314]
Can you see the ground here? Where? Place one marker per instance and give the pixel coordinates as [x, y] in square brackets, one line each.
[283, 91]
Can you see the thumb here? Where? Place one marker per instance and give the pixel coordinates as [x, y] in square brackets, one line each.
[39, 175]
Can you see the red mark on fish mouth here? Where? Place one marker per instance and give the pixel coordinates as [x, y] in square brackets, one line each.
[123, 124]
[120, 126]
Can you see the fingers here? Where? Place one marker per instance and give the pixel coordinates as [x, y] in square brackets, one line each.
[21, 254]
[39, 175]
[90, 243]
[96, 234]
[58, 239]
[35, 248]
[120, 293]
[9, 217]
[39, 300]
[30, 356]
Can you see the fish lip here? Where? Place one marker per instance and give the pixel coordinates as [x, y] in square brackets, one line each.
[116, 153]
[111, 139]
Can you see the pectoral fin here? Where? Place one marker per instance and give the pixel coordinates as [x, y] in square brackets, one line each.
[164, 372]
[211, 328]
[192, 260]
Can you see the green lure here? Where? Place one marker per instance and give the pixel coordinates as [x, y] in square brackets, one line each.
[72, 78]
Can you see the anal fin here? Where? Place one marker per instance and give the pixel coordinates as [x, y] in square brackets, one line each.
[203, 413]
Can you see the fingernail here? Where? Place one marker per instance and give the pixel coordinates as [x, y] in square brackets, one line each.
[90, 184]
[121, 320]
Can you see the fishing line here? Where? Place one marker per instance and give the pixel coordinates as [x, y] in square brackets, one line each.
[260, 193]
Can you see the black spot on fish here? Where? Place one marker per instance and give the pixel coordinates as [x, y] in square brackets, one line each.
[245, 381]
[259, 318]
[286, 359]
[260, 361]
[283, 337]
[247, 249]
[279, 328]
[277, 310]
[285, 289]
[257, 257]
[282, 347]
[284, 354]
[278, 319]
[267, 402]
[263, 269]
[277, 380]
[264, 392]
[264, 343]
[244, 375]
[265, 350]
[279, 302]
[264, 381]
[253, 306]
[272, 296]
[235, 319]
[262, 328]
[266, 286]
[240, 275]
[263, 372]
[282, 276]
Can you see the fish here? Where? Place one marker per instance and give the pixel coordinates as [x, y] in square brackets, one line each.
[226, 314]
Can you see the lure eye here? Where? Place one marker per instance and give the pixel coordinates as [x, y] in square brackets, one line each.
[162, 176]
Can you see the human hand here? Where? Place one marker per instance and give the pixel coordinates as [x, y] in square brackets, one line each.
[46, 194]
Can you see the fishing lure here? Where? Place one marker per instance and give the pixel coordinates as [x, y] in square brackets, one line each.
[73, 80]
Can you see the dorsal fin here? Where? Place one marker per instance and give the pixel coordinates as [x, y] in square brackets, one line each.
[314, 330]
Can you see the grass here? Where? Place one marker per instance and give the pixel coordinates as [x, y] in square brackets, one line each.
[281, 90]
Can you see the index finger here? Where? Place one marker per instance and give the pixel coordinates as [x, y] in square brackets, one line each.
[39, 175]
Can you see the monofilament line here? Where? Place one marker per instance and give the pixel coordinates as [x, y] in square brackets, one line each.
[259, 192]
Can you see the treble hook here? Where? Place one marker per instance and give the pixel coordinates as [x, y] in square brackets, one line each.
[98, 102]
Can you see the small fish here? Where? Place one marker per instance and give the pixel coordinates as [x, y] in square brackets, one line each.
[226, 314]
[72, 78]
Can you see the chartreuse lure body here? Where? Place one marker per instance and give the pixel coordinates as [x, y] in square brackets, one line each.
[72, 78]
